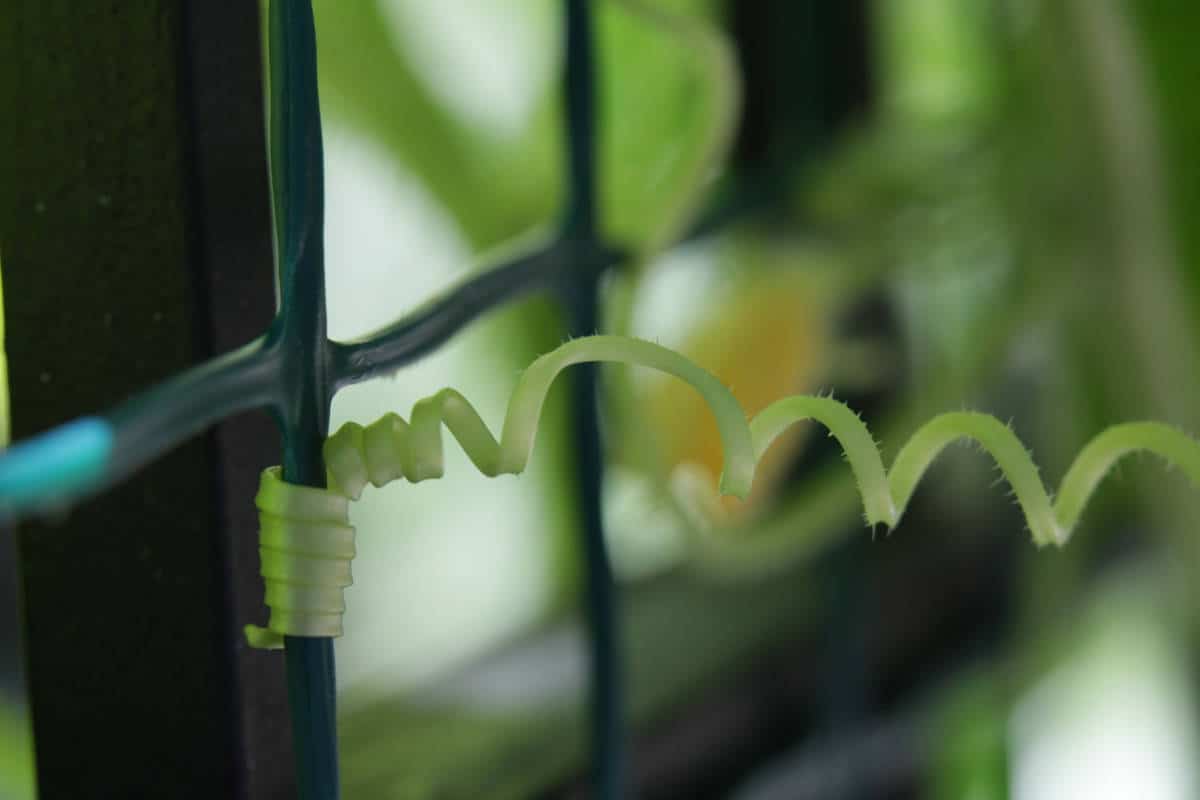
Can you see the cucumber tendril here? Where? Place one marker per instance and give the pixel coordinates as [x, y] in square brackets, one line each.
[305, 579]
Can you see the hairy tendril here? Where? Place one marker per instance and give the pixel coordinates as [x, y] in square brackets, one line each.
[304, 528]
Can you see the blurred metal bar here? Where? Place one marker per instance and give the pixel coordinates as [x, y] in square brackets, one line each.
[807, 67]
[607, 712]
[883, 759]
[135, 233]
[233, 258]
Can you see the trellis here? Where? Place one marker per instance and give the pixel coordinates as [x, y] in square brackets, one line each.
[293, 370]
[299, 388]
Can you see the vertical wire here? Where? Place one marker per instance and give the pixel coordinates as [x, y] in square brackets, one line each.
[300, 331]
[606, 700]
[580, 89]
[312, 699]
[607, 708]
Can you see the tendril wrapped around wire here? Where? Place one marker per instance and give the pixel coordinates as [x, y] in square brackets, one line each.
[307, 541]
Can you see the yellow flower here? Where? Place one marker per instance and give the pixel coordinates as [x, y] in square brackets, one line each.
[767, 341]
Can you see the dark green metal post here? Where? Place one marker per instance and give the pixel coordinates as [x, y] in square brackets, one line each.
[300, 335]
[580, 234]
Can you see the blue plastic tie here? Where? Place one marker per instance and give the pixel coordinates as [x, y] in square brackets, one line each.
[56, 465]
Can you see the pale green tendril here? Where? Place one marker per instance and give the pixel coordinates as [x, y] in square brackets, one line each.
[304, 543]
[307, 541]
[885, 496]
[392, 448]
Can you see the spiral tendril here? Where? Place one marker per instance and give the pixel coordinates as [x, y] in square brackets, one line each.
[306, 544]
[307, 541]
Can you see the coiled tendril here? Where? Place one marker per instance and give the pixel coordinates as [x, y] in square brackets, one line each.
[306, 544]
[307, 541]
[305, 580]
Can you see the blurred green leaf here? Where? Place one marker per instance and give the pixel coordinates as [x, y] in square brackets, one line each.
[669, 101]
[368, 83]
[1167, 35]
[970, 752]
[16, 754]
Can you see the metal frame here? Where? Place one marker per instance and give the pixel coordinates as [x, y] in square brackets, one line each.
[293, 370]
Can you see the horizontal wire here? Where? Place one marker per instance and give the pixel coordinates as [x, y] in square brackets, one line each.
[59, 466]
